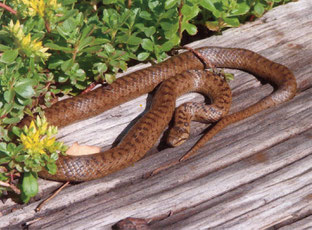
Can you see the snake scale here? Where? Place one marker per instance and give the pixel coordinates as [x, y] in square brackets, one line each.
[179, 74]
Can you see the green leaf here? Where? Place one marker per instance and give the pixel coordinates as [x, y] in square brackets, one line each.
[9, 95]
[17, 131]
[4, 48]
[143, 56]
[9, 56]
[110, 78]
[80, 73]
[100, 41]
[166, 46]
[170, 3]
[92, 49]
[52, 168]
[166, 25]
[54, 156]
[208, 4]
[213, 26]
[62, 32]
[29, 186]
[58, 47]
[100, 67]
[229, 76]
[150, 31]
[3, 147]
[21, 158]
[86, 31]
[6, 109]
[147, 44]
[231, 22]
[23, 101]
[259, 9]
[12, 120]
[4, 134]
[146, 15]
[153, 4]
[242, 9]
[24, 88]
[133, 40]
[190, 28]
[64, 78]
[54, 62]
[109, 48]
[84, 43]
[189, 12]
[4, 160]
[67, 65]
[107, 2]
[69, 25]
[67, 2]
[11, 147]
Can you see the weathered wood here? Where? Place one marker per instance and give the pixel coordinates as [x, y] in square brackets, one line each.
[251, 205]
[302, 224]
[175, 189]
[252, 175]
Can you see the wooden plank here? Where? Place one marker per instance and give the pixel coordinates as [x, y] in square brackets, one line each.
[271, 38]
[303, 224]
[174, 190]
[280, 196]
[283, 35]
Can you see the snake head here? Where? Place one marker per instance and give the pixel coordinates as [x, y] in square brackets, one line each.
[178, 135]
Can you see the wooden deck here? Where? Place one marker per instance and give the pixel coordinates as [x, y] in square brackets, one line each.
[255, 174]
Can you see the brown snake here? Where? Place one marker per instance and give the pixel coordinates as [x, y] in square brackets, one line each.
[143, 135]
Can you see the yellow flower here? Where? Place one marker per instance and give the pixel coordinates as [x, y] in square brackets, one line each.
[25, 43]
[37, 139]
[39, 7]
[32, 126]
[49, 142]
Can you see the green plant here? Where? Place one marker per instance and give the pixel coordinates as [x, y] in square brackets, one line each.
[60, 47]
[38, 149]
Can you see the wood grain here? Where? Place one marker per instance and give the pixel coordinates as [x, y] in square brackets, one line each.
[254, 174]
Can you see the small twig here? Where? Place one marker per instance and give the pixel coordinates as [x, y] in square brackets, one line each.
[89, 88]
[4, 184]
[129, 4]
[33, 221]
[180, 20]
[11, 186]
[94, 84]
[51, 197]
[3, 116]
[2, 5]
[12, 176]
[47, 26]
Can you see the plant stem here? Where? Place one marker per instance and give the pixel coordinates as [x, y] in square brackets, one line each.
[2, 5]
[180, 20]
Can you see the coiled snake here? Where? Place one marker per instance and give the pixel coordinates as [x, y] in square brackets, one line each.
[179, 74]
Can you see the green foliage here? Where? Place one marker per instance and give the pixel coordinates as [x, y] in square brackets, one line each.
[29, 186]
[59, 47]
[37, 149]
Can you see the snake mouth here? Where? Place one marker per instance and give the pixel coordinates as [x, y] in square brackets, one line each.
[176, 142]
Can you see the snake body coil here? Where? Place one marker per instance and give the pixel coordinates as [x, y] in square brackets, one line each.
[143, 135]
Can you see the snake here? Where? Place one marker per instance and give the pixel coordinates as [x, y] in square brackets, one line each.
[177, 75]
